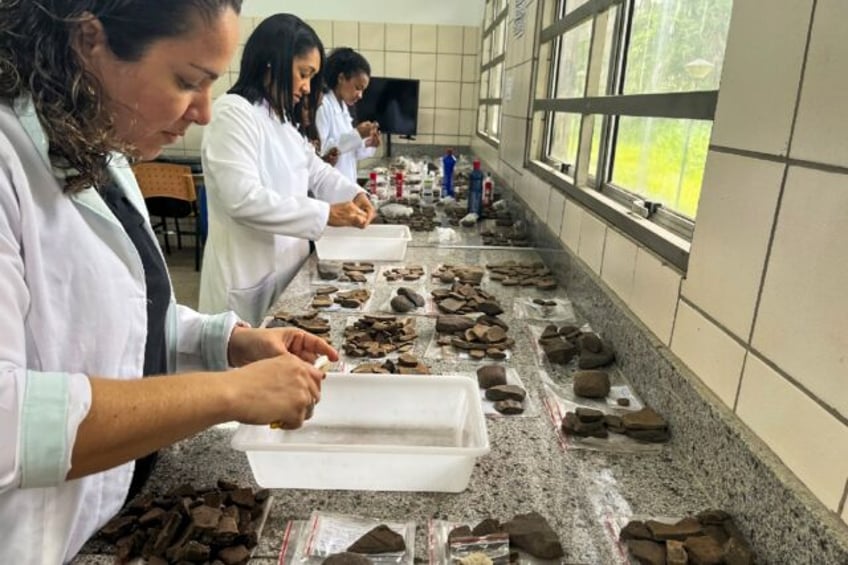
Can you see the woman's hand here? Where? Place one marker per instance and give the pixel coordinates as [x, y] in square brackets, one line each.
[373, 139]
[248, 345]
[348, 214]
[364, 204]
[366, 129]
[282, 389]
[332, 156]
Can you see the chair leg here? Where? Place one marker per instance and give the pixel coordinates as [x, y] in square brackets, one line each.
[179, 234]
[165, 236]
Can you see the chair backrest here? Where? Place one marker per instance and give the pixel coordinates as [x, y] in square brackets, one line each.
[165, 179]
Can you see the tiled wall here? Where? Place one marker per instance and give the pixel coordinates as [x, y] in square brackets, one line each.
[444, 58]
[761, 316]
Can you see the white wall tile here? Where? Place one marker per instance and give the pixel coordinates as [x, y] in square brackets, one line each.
[235, 62]
[398, 37]
[471, 40]
[809, 440]
[516, 104]
[193, 137]
[447, 122]
[710, 352]
[426, 120]
[397, 64]
[449, 67]
[449, 39]
[423, 38]
[221, 86]
[470, 68]
[802, 322]
[246, 27]
[427, 94]
[468, 97]
[572, 219]
[324, 29]
[539, 196]
[592, 237]
[377, 60]
[423, 66]
[619, 265]
[467, 119]
[372, 36]
[762, 69]
[446, 140]
[656, 289]
[735, 217]
[822, 113]
[512, 142]
[556, 205]
[346, 34]
[448, 93]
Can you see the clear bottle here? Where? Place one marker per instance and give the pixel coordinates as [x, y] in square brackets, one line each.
[488, 191]
[475, 190]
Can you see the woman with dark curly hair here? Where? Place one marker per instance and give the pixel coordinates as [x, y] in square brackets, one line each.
[347, 78]
[87, 306]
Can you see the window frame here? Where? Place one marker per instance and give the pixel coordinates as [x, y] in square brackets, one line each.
[665, 232]
[487, 63]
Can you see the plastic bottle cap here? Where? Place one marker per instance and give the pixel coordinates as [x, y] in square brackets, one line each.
[476, 164]
[449, 151]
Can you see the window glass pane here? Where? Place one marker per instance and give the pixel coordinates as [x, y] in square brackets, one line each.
[498, 39]
[676, 45]
[495, 81]
[494, 120]
[571, 5]
[481, 118]
[487, 47]
[564, 139]
[573, 61]
[550, 11]
[595, 152]
[487, 17]
[484, 84]
[609, 37]
[663, 160]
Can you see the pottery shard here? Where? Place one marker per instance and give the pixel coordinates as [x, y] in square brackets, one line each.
[591, 384]
[589, 415]
[590, 342]
[635, 529]
[413, 296]
[490, 308]
[486, 527]
[506, 392]
[509, 407]
[704, 550]
[451, 305]
[408, 360]
[452, 324]
[680, 531]
[381, 539]
[460, 532]
[322, 301]
[675, 553]
[559, 351]
[402, 304]
[549, 332]
[532, 533]
[234, 555]
[494, 335]
[647, 552]
[712, 517]
[572, 425]
[346, 558]
[495, 353]
[737, 552]
[329, 271]
[326, 290]
[644, 419]
[589, 360]
[491, 375]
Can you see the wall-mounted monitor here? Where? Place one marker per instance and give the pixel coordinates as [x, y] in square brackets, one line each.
[393, 102]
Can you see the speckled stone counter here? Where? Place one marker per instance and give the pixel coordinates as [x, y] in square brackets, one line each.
[585, 495]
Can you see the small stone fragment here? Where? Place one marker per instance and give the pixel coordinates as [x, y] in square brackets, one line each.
[381, 539]
[402, 304]
[509, 407]
[704, 550]
[491, 375]
[532, 533]
[647, 552]
[591, 384]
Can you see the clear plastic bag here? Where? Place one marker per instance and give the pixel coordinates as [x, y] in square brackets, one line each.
[560, 311]
[384, 306]
[327, 533]
[495, 546]
[288, 545]
[557, 404]
[395, 210]
[450, 353]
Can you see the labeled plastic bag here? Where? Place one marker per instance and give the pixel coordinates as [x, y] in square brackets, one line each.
[557, 310]
[396, 210]
[326, 534]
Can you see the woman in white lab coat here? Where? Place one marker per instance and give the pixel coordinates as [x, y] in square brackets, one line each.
[347, 76]
[87, 307]
[258, 170]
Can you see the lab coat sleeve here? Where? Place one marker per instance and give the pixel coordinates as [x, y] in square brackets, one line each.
[328, 184]
[333, 132]
[40, 412]
[202, 339]
[230, 153]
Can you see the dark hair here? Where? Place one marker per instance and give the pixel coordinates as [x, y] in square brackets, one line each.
[37, 59]
[271, 50]
[344, 61]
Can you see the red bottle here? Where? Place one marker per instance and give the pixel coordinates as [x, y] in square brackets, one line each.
[488, 191]
[399, 184]
[372, 182]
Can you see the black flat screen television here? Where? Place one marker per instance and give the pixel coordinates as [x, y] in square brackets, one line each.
[393, 102]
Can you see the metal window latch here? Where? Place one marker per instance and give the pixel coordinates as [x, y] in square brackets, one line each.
[644, 208]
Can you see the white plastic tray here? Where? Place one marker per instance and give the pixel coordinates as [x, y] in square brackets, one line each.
[377, 242]
[376, 432]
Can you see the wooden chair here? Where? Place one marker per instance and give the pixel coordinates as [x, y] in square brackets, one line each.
[168, 191]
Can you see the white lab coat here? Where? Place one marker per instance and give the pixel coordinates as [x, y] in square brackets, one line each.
[335, 129]
[73, 304]
[257, 171]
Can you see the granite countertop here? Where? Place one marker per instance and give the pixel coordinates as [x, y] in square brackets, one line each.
[585, 495]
